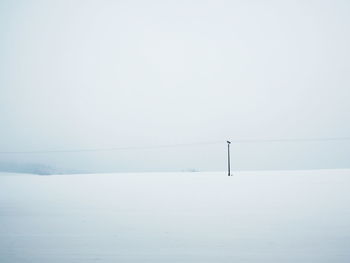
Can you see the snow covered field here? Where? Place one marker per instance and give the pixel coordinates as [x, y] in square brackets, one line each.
[294, 216]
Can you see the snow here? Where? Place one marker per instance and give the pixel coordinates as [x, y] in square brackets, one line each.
[279, 216]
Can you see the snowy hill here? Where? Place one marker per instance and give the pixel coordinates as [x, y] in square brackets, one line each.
[280, 216]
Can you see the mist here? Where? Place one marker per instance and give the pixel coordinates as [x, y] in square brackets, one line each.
[120, 74]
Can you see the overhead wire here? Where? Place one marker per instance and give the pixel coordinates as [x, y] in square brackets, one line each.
[178, 145]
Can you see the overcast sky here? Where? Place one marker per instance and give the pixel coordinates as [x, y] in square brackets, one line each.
[100, 74]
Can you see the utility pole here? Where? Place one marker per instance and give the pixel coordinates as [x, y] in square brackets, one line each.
[228, 158]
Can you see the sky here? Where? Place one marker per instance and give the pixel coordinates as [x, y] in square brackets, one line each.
[103, 74]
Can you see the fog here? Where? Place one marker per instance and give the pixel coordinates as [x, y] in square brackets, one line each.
[111, 74]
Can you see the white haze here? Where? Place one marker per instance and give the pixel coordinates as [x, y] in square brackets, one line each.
[101, 74]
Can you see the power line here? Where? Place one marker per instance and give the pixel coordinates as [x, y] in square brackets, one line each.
[292, 140]
[180, 145]
[113, 149]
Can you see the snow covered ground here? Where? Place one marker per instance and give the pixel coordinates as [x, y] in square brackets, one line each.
[294, 216]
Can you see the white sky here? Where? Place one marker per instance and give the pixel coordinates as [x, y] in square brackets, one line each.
[87, 74]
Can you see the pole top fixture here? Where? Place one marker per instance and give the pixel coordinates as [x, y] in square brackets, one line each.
[228, 142]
